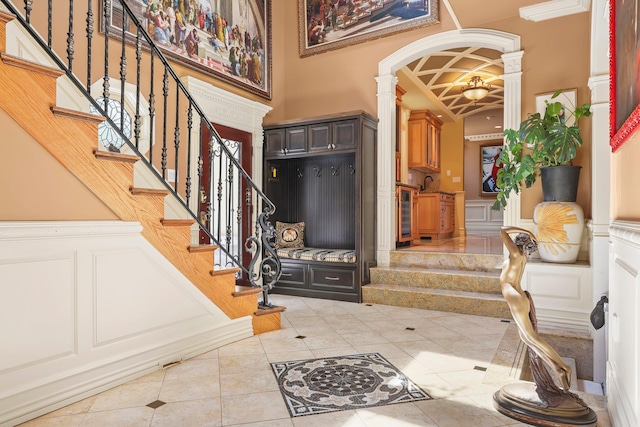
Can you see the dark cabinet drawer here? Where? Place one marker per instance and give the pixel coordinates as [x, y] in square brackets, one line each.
[293, 275]
[337, 279]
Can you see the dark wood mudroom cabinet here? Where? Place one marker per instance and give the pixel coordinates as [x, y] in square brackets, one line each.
[321, 171]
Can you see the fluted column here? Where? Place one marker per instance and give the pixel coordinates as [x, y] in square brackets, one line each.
[386, 167]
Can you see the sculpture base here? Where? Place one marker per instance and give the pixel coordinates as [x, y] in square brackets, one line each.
[521, 402]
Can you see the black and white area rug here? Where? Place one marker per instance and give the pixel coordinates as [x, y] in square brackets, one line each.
[316, 386]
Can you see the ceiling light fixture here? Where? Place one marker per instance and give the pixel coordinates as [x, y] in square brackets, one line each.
[475, 89]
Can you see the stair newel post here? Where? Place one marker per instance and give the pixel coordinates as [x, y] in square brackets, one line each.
[89, 41]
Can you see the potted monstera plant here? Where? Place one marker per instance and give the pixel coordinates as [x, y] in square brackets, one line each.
[544, 145]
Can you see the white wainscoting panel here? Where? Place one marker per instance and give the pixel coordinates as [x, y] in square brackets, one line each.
[480, 218]
[86, 306]
[623, 323]
[561, 294]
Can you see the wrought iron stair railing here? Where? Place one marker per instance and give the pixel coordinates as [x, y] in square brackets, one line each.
[149, 112]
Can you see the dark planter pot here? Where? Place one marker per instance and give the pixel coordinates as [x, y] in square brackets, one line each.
[560, 183]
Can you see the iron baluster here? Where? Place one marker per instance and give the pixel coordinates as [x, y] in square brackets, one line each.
[188, 180]
[176, 138]
[70, 40]
[49, 22]
[89, 40]
[152, 108]
[123, 71]
[27, 11]
[137, 119]
[105, 81]
[165, 97]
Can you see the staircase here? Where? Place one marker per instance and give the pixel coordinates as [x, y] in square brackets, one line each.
[28, 96]
[452, 282]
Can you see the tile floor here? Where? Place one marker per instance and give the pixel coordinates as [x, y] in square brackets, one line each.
[446, 355]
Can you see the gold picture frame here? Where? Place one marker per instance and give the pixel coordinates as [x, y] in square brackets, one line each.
[332, 24]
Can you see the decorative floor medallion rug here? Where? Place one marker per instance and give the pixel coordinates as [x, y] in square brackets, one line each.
[316, 386]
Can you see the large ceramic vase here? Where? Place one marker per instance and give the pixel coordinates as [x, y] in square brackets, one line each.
[558, 228]
[559, 221]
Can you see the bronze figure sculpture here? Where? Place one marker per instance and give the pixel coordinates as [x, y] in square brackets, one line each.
[545, 402]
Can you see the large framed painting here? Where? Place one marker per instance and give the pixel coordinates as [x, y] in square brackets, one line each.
[330, 24]
[489, 168]
[229, 39]
[624, 73]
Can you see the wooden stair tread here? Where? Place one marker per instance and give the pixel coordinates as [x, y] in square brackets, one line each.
[265, 311]
[246, 290]
[224, 271]
[29, 65]
[149, 191]
[110, 155]
[78, 115]
[178, 222]
[6, 17]
[203, 248]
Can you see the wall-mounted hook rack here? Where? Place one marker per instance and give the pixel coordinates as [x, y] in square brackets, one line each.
[318, 171]
[299, 173]
[351, 170]
[335, 171]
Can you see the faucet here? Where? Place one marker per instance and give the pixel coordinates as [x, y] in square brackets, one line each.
[425, 180]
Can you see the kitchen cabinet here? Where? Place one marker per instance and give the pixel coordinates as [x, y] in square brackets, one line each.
[436, 215]
[424, 141]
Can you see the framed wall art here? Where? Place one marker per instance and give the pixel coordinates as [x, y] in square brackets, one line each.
[330, 24]
[489, 154]
[624, 71]
[228, 39]
[566, 97]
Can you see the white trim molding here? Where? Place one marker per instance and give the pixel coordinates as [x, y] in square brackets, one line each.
[507, 43]
[623, 324]
[554, 9]
[90, 305]
[484, 137]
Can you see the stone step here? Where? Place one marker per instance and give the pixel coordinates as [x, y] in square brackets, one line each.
[447, 261]
[420, 277]
[453, 301]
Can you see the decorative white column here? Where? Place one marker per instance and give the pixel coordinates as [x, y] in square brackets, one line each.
[600, 172]
[512, 78]
[386, 167]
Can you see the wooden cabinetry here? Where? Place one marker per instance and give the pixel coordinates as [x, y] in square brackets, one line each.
[436, 215]
[330, 185]
[313, 138]
[424, 141]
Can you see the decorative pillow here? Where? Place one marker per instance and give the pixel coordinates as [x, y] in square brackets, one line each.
[289, 235]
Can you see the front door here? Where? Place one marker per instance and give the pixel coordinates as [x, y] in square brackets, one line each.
[221, 195]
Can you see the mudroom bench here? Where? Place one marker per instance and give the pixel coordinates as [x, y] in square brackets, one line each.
[320, 174]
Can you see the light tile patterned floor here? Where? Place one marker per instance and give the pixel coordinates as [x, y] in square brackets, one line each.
[234, 385]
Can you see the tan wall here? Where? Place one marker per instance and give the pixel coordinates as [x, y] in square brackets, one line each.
[452, 156]
[344, 79]
[35, 187]
[625, 176]
[472, 174]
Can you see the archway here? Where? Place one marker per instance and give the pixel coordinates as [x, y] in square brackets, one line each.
[507, 43]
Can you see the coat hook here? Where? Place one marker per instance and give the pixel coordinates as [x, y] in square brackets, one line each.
[334, 171]
[317, 171]
[299, 173]
[352, 170]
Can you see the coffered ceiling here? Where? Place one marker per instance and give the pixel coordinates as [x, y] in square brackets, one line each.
[434, 82]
